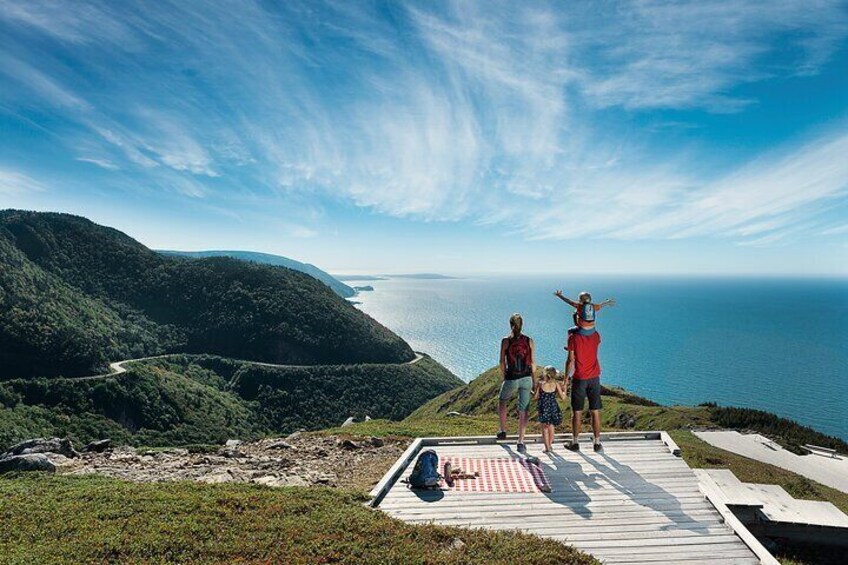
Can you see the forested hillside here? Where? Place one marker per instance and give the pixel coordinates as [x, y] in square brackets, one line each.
[185, 400]
[74, 295]
[338, 286]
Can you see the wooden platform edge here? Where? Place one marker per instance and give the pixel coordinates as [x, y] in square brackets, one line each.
[380, 489]
[715, 496]
[669, 443]
[535, 438]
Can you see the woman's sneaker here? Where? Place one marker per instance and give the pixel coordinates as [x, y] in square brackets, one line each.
[521, 448]
[598, 447]
[572, 446]
[501, 435]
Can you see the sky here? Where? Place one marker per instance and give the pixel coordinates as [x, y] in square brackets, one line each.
[606, 137]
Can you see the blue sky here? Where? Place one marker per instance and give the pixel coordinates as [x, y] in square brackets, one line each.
[657, 137]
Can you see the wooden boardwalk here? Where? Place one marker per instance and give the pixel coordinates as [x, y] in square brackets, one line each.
[635, 502]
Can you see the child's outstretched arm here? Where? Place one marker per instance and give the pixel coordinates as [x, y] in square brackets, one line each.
[607, 302]
[566, 299]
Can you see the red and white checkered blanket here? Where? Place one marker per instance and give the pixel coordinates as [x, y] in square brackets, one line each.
[498, 474]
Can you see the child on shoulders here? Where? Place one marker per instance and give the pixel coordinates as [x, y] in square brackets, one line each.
[585, 310]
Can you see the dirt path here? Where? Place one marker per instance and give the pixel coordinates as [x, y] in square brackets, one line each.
[117, 367]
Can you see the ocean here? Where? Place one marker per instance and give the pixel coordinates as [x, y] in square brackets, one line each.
[775, 344]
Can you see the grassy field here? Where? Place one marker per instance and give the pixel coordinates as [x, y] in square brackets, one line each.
[180, 522]
[55, 519]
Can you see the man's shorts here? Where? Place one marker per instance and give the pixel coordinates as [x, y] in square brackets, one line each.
[582, 388]
[524, 386]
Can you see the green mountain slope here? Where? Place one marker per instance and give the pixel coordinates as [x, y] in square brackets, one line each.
[74, 295]
[338, 286]
[181, 400]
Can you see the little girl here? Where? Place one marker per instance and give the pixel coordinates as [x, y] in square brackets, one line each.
[550, 414]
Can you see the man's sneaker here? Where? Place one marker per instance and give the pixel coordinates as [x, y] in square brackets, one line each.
[521, 448]
[598, 447]
[573, 446]
[501, 435]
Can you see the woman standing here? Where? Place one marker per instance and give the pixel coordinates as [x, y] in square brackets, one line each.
[517, 363]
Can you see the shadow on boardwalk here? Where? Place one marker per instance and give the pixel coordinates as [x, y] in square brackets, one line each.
[641, 491]
[571, 492]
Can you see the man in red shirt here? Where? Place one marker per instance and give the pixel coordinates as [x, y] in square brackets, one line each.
[584, 371]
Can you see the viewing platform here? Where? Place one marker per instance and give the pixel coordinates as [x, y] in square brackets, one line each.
[636, 501]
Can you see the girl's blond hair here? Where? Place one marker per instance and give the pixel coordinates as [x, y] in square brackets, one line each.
[549, 372]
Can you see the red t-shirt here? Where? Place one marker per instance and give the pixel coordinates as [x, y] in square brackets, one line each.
[585, 348]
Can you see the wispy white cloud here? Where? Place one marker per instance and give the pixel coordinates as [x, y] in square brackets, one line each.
[14, 183]
[102, 163]
[660, 54]
[489, 112]
[835, 230]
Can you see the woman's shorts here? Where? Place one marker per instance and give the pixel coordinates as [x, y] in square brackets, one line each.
[524, 386]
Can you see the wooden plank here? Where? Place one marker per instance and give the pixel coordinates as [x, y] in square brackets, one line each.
[607, 459]
[574, 470]
[684, 557]
[591, 535]
[702, 518]
[599, 527]
[583, 486]
[671, 553]
[595, 514]
[598, 488]
[572, 519]
[725, 561]
[613, 447]
[489, 440]
[716, 553]
[726, 556]
[658, 544]
[479, 500]
[459, 503]
[577, 522]
[563, 499]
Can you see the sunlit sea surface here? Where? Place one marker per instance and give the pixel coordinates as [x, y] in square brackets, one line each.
[776, 344]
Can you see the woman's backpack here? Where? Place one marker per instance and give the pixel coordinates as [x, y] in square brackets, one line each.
[425, 473]
[518, 356]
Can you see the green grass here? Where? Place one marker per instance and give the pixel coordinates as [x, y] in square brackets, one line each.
[480, 398]
[55, 519]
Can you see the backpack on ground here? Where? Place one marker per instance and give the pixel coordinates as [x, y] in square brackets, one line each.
[425, 473]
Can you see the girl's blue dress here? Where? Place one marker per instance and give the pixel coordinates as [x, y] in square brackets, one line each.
[549, 412]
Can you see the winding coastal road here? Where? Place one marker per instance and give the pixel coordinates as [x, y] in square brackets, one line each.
[117, 367]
